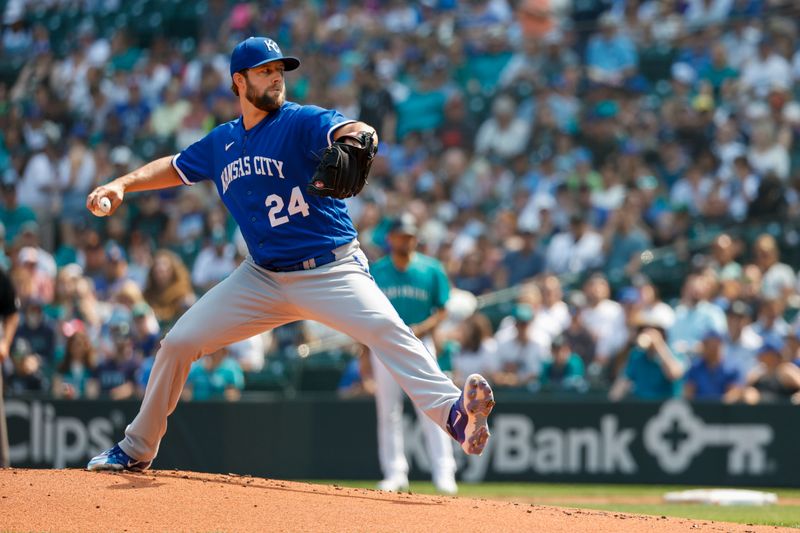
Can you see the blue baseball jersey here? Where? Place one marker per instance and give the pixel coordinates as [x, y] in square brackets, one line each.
[261, 175]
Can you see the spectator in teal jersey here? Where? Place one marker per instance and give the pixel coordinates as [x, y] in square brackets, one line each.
[653, 371]
[418, 288]
[75, 376]
[422, 111]
[565, 371]
[214, 377]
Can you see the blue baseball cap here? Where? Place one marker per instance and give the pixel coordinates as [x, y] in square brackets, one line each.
[256, 51]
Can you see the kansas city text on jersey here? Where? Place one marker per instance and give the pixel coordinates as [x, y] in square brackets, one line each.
[245, 166]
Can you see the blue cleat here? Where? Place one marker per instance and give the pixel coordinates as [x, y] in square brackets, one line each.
[115, 460]
[467, 422]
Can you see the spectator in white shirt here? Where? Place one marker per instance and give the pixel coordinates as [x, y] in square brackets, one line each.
[692, 191]
[765, 69]
[777, 279]
[553, 316]
[520, 359]
[503, 134]
[478, 353]
[214, 262]
[766, 154]
[576, 250]
[605, 320]
[742, 343]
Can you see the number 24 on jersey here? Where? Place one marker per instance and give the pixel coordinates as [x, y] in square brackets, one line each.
[297, 204]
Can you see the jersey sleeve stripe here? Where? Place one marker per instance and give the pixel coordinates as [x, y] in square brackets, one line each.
[336, 127]
[183, 177]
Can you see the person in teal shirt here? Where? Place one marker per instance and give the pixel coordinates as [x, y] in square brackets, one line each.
[565, 371]
[214, 377]
[653, 370]
[418, 288]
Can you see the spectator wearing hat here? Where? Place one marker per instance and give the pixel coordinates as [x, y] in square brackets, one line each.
[28, 376]
[145, 339]
[710, 376]
[115, 271]
[38, 331]
[653, 371]
[565, 370]
[31, 282]
[773, 380]
[576, 250]
[520, 359]
[741, 344]
[117, 373]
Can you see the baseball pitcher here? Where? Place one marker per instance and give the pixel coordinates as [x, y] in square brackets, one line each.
[282, 170]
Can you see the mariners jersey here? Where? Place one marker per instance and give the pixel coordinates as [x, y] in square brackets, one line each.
[261, 175]
[416, 292]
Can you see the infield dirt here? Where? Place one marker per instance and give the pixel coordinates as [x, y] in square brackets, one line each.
[165, 500]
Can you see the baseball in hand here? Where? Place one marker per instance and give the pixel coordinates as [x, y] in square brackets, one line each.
[104, 206]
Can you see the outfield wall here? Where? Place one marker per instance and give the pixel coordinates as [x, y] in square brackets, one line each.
[324, 438]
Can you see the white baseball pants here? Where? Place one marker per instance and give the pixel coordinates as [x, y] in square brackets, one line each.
[341, 295]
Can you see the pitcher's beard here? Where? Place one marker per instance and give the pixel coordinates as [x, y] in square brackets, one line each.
[265, 102]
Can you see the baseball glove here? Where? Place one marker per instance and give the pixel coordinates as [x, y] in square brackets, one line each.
[342, 172]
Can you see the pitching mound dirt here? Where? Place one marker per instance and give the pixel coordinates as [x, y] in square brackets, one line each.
[75, 500]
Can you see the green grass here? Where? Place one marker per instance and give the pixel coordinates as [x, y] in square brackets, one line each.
[787, 515]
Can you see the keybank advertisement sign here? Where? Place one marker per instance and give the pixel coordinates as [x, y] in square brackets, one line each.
[672, 442]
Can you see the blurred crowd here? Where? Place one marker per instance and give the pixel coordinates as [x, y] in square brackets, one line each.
[531, 140]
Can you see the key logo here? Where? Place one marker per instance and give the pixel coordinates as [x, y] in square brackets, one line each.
[675, 436]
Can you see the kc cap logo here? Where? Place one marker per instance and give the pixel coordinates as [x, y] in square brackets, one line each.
[272, 45]
[257, 51]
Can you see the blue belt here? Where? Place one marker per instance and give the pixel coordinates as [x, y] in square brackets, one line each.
[308, 264]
